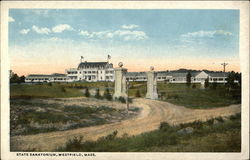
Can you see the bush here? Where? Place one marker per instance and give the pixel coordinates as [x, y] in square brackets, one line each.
[74, 144]
[164, 126]
[87, 94]
[206, 83]
[97, 94]
[137, 94]
[122, 99]
[107, 95]
[220, 119]
[49, 84]
[63, 89]
[193, 86]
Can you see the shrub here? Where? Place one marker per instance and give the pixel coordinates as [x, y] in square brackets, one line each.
[49, 84]
[220, 119]
[74, 144]
[206, 83]
[164, 126]
[214, 86]
[63, 89]
[97, 94]
[193, 86]
[87, 94]
[137, 94]
[122, 99]
[107, 95]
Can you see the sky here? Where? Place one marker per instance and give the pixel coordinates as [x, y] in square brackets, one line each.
[45, 41]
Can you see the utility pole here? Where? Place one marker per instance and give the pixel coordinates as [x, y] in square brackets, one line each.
[224, 66]
[224, 69]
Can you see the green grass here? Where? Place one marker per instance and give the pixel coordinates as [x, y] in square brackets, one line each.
[206, 137]
[178, 94]
[56, 90]
[181, 94]
[43, 91]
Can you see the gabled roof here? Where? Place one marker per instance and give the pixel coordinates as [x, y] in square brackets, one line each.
[92, 64]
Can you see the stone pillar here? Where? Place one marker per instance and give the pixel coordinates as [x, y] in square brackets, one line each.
[151, 84]
[120, 82]
[202, 84]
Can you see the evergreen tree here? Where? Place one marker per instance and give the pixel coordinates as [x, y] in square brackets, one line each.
[188, 78]
[107, 95]
[207, 83]
[87, 92]
[97, 94]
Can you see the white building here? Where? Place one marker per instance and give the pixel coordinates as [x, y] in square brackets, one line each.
[56, 77]
[91, 72]
[180, 77]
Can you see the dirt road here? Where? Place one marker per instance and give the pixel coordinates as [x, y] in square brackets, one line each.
[152, 114]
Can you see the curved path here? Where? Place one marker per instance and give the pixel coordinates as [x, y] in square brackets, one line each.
[152, 114]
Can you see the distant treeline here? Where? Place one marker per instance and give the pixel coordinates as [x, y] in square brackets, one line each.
[183, 70]
[14, 78]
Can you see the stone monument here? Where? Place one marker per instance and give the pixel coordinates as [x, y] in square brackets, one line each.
[151, 84]
[120, 82]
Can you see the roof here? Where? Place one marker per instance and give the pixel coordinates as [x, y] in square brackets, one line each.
[176, 74]
[47, 75]
[135, 74]
[218, 74]
[93, 64]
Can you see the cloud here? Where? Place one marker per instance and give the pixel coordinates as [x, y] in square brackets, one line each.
[84, 33]
[41, 12]
[131, 35]
[24, 31]
[131, 26]
[204, 34]
[41, 30]
[120, 34]
[62, 27]
[11, 19]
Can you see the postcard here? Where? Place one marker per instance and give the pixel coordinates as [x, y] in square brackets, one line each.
[127, 80]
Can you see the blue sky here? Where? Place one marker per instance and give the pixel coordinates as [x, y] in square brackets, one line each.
[154, 37]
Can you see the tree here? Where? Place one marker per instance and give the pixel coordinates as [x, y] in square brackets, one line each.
[137, 94]
[188, 78]
[230, 80]
[97, 94]
[206, 83]
[22, 79]
[14, 78]
[107, 95]
[87, 92]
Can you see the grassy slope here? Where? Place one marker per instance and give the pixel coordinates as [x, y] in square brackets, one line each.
[222, 136]
[43, 90]
[180, 94]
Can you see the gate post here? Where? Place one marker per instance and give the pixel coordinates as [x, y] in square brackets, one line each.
[151, 84]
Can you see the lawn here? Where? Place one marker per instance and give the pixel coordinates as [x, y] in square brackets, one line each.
[181, 94]
[215, 135]
[43, 91]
